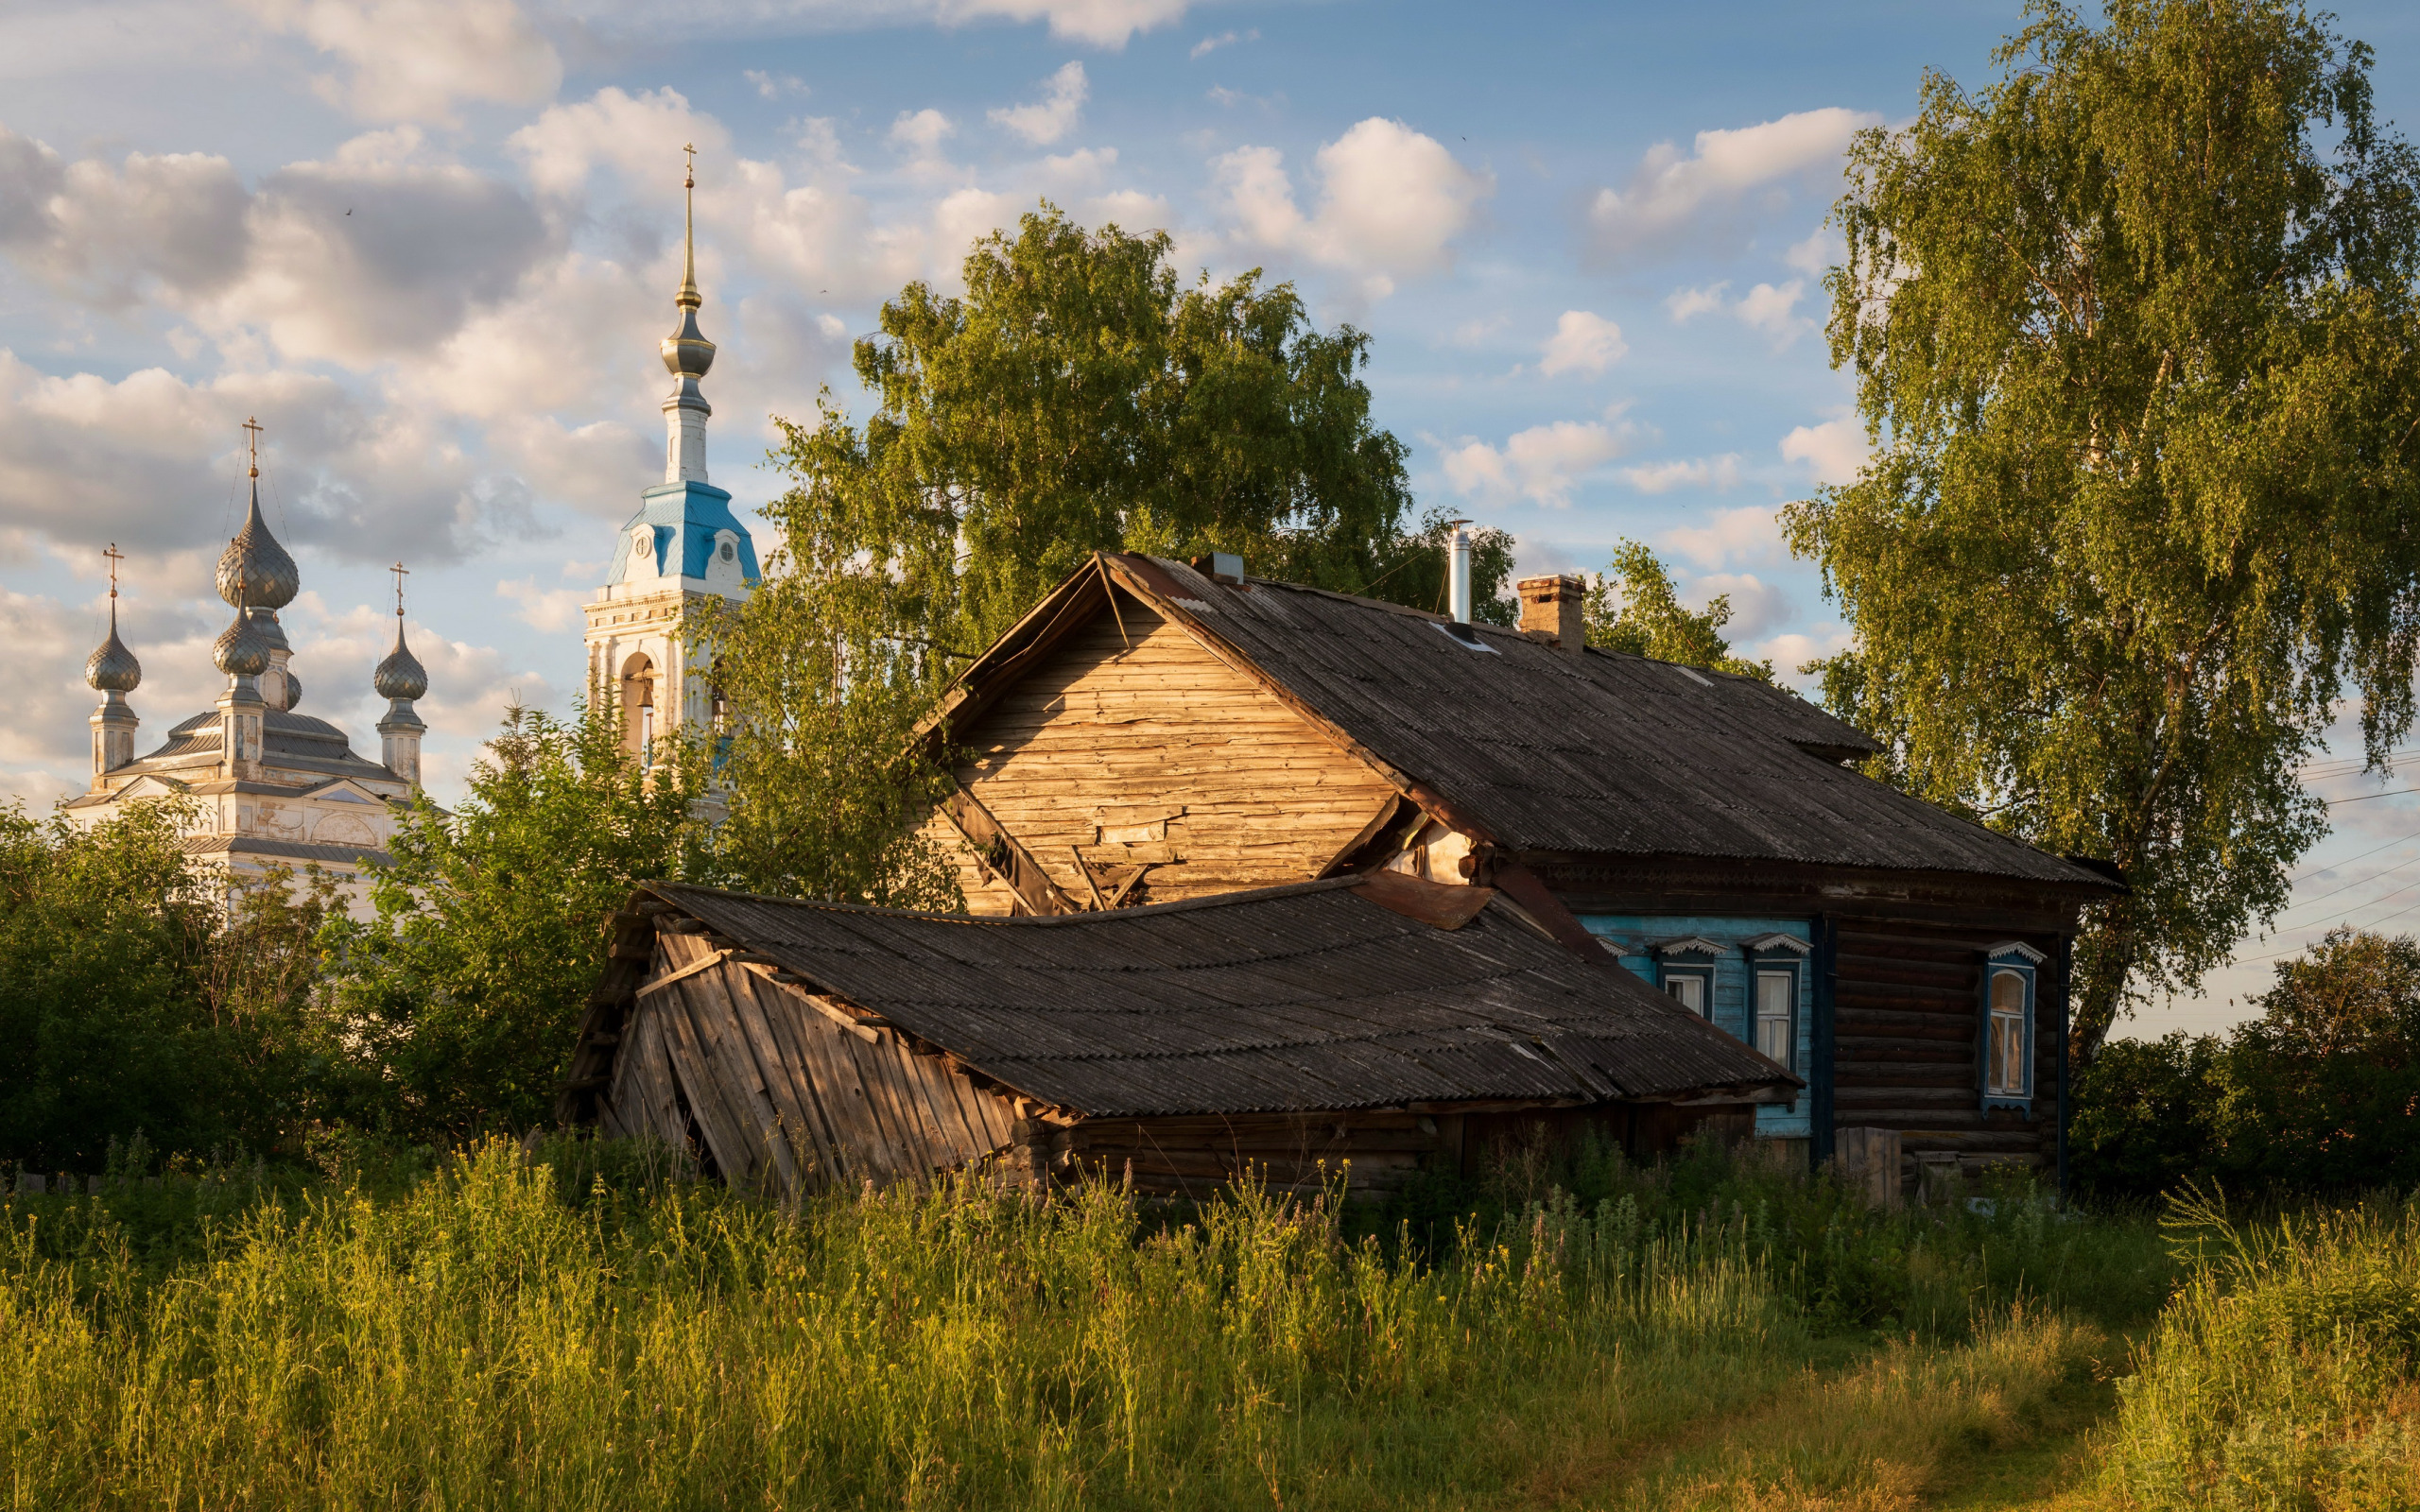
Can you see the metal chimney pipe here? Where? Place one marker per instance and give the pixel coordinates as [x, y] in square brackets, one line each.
[1458, 577]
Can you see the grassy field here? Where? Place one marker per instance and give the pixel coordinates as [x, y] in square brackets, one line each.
[1578, 1333]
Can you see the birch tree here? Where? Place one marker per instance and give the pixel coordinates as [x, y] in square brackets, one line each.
[2133, 338]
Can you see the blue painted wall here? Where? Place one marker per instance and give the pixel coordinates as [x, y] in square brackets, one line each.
[1631, 936]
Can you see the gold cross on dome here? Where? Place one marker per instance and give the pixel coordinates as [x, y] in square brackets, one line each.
[115, 557]
[691, 181]
[252, 441]
[401, 573]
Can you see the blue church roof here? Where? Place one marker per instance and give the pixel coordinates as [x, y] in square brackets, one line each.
[691, 513]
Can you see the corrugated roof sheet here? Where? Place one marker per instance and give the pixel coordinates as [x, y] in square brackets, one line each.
[1599, 753]
[1286, 1000]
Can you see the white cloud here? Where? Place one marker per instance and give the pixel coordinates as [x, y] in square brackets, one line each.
[1774, 311]
[1671, 197]
[773, 86]
[1050, 118]
[133, 460]
[1696, 473]
[1756, 606]
[1225, 38]
[638, 135]
[1812, 256]
[1749, 534]
[1101, 23]
[922, 132]
[114, 235]
[550, 610]
[415, 60]
[1832, 452]
[360, 258]
[1687, 304]
[1768, 309]
[1543, 463]
[1583, 342]
[1392, 203]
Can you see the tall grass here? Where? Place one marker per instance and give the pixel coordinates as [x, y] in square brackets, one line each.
[478, 1343]
[581, 1332]
[2286, 1371]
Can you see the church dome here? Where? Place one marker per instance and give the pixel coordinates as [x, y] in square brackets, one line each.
[254, 571]
[240, 649]
[293, 691]
[401, 675]
[113, 668]
[687, 353]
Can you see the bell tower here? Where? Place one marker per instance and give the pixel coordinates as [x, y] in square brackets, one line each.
[684, 544]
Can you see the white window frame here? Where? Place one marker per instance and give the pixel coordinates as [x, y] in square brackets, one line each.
[1688, 959]
[1701, 978]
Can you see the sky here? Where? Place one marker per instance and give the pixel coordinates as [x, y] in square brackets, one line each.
[432, 245]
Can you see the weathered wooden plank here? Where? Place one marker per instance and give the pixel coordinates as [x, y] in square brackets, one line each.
[695, 1079]
[783, 1118]
[783, 1013]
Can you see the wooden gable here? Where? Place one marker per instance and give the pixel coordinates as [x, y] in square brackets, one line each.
[1130, 748]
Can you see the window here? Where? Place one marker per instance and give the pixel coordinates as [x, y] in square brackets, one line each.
[1685, 970]
[2005, 1036]
[2004, 1048]
[1689, 989]
[1777, 1015]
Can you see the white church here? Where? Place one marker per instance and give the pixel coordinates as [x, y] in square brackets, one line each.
[276, 788]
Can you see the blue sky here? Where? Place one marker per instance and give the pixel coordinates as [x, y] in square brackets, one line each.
[432, 244]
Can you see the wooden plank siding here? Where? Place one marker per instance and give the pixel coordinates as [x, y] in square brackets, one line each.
[1130, 743]
[1906, 1034]
[781, 1097]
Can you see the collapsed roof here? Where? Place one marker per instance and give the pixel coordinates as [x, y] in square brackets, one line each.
[1369, 992]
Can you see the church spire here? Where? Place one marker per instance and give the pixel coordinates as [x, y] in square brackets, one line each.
[687, 355]
[113, 672]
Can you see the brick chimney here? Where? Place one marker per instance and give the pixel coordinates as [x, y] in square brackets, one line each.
[1552, 610]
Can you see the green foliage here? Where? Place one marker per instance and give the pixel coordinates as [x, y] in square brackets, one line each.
[824, 672]
[2134, 331]
[2320, 1093]
[2284, 1374]
[461, 995]
[1633, 608]
[1078, 399]
[141, 999]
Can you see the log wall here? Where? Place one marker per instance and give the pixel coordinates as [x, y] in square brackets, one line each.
[778, 1096]
[1907, 1030]
[1131, 744]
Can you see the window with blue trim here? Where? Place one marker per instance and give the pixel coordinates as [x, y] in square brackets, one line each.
[1685, 970]
[2011, 979]
[1775, 964]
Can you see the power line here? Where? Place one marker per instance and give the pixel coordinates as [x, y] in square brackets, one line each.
[2331, 803]
[2363, 856]
[2382, 871]
[2297, 949]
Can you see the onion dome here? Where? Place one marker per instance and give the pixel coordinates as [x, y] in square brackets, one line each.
[293, 690]
[265, 621]
[241, 651]
[401, 675]
[113, 668]
[254, 570]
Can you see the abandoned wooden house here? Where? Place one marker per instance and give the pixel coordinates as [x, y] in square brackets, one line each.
[1156, 731]
[1357, 1029]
